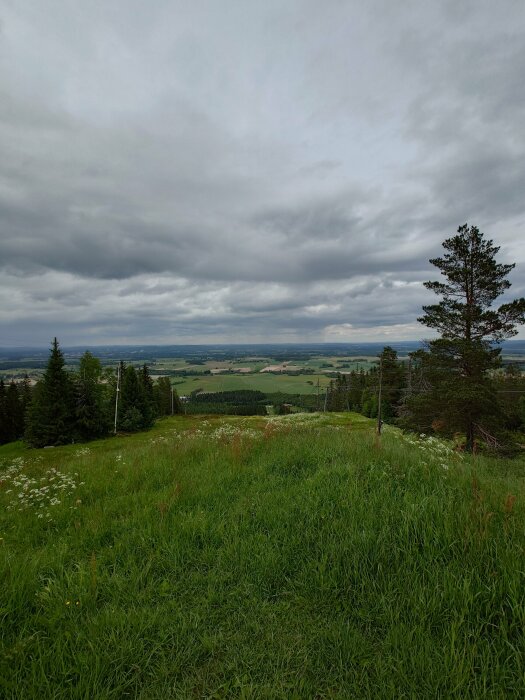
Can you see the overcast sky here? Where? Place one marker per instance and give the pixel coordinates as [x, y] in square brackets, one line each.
[247, 171]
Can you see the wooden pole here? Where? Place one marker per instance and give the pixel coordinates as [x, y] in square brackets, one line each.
[116, 398]
[379, 396]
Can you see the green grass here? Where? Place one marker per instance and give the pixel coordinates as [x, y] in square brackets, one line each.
[227, 558]
[267, 383]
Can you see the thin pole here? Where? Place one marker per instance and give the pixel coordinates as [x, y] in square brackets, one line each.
[171, 400]
[116, 397]
[317, 394]
[409, 376]
[379, 396]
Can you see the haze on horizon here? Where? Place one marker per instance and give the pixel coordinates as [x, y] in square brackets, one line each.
[203, 172]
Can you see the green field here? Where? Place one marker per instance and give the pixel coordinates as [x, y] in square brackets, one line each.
[267, 383]
[294, 557]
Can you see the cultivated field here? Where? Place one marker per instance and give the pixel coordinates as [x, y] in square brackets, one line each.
[267, 383]
[293, 557]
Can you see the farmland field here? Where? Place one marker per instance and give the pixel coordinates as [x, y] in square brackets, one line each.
[267, 383]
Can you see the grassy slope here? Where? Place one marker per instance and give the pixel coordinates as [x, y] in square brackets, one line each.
[242, 562]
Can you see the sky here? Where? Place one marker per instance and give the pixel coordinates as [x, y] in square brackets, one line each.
[243, 171]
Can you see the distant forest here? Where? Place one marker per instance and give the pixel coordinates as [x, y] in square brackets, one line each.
[454, 385]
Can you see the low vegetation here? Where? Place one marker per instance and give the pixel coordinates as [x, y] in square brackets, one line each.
[288, 557]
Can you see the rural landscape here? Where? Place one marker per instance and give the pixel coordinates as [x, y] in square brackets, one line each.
[262, 350]
[254, 537]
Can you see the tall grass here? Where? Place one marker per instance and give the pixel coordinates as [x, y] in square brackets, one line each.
[233, 559]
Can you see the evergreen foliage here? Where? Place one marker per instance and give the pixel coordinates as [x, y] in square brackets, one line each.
[51, 414]
[91, 414]
[162, 396]
[13, 404]
[461, 395]
[3, 414]
[148, 397]
[130, 415]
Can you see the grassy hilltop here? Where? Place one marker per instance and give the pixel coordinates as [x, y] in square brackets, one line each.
[292, 557]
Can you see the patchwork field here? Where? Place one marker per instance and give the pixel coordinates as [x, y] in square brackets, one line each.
[267, 383]
[292, 557]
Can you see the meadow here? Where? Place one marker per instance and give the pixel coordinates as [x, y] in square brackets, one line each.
[295, 556]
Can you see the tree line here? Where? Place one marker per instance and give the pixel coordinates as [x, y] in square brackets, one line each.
[67, 407]
[454, 384]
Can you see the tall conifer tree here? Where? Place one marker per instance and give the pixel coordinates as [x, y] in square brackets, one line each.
[51, 414]
[457, 364]
[4, 432]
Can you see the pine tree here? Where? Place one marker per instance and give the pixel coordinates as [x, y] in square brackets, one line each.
[457, 364]
[51, 414]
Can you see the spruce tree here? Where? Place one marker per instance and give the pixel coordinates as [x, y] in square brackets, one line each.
[392, 382]
[51, 414]
[26, 394]
[90, 414]
[457, 364]
[3, 414]
[14, 415]
[162, 394]
[148, 398]
[131, 406]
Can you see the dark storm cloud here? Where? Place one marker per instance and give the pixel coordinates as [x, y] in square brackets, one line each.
[177, 171]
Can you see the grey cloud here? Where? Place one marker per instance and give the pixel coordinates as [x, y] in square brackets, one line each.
[265, 172]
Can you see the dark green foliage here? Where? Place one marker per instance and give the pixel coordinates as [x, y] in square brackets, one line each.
[162, 396]
[510, 387]
[14, 400]
[4, 432]
[26, 395]
[51, 414]
[461, 395]
[132, 420]
[246, 396]
[337, 394]
[148, 398]
[14, 413]
[131, 401]
[91, 414]
[136, 401]
[241, 402]
[167, 401]
[393, 382]
[358, 391]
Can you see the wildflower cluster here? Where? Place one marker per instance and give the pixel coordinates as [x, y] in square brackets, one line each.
[433, 449]
[83, 452]
[297, 420]
[41, 494]
[230, 432]
[159, 440]
[223, 433]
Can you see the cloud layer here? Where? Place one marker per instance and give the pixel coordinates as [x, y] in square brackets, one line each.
[210, 172]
